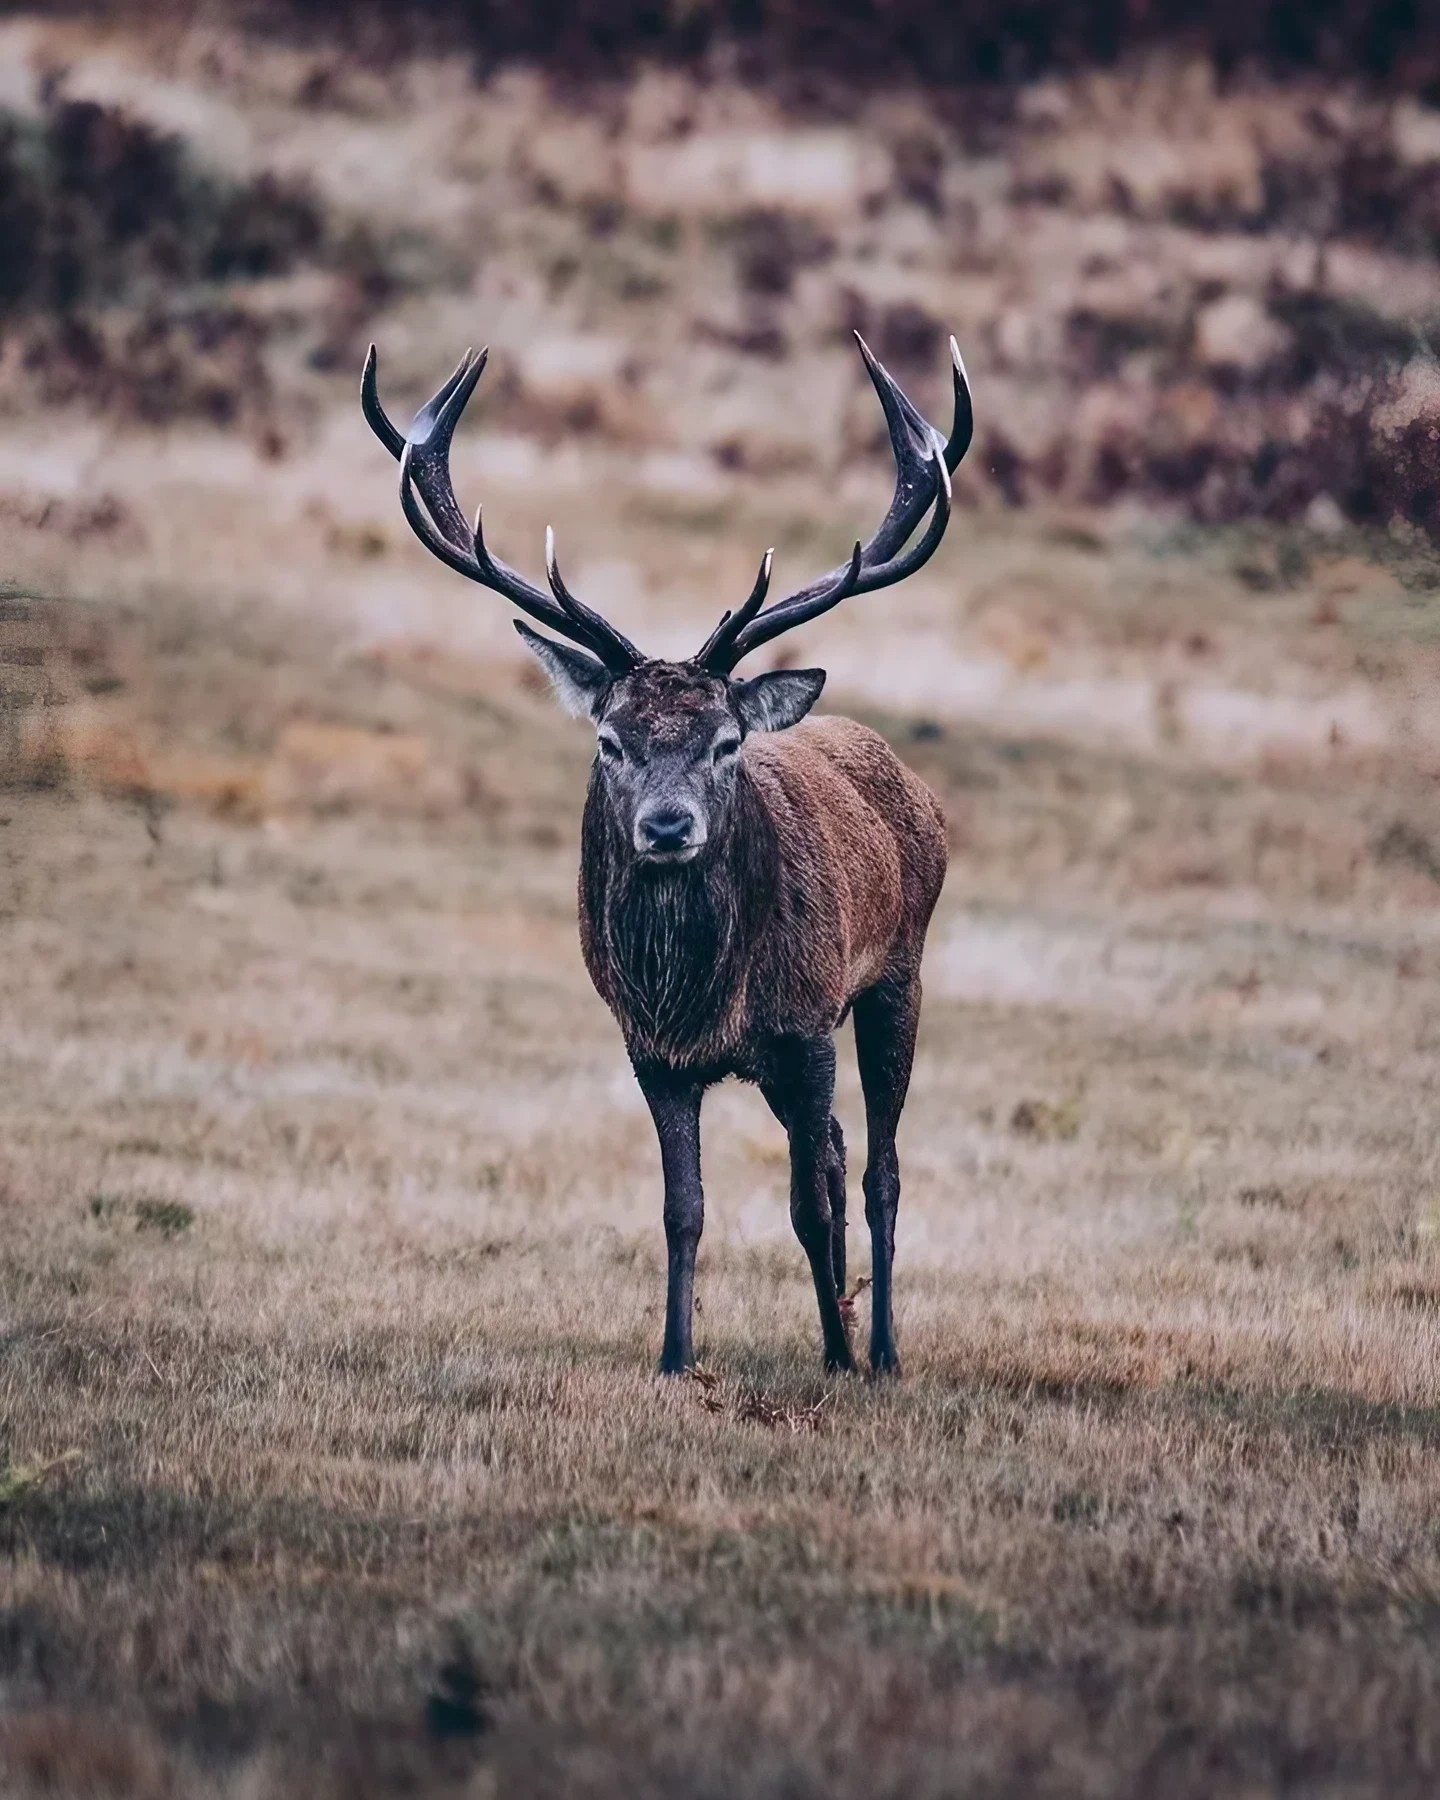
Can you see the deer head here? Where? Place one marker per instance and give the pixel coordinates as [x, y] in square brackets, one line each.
[669, 734]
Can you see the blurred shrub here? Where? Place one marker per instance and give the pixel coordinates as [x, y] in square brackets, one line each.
[98, 206]
[200, 362]
[1350, 450]
[772, 247]
[932, 40]
[1364, 447]
[1352, 183]
[126, 263]
[1333, 331]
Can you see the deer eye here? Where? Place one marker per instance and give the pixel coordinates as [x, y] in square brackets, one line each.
[725, 748]
[610, 750]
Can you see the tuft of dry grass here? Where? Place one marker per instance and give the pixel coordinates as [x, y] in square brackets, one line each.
[18, 1482]
[754, 1406]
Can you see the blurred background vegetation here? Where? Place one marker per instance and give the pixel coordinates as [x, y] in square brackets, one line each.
[1189, 250]
[867, 40]
[1190, 255]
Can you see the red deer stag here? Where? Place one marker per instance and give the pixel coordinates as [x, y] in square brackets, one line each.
[746, 880]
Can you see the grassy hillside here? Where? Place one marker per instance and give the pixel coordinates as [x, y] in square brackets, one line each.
[331, 1456]
[1206, 296]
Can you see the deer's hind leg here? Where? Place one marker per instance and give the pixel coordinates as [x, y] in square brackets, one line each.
[834, 1181]
[886, 1019]
[799, 1084]
[835, 1185]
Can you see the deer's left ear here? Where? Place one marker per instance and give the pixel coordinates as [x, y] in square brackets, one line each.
[783, 697]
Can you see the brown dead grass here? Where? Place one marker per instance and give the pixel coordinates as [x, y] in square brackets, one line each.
[331, 1279]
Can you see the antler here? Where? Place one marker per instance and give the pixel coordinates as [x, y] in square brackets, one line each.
[424, 457]
[923, 464]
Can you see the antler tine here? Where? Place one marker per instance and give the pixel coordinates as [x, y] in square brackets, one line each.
[419, 520]
[427, 497]
[430, 433]
[375, 414]
[911, 443]
[852, 578]
[923, 461]
[601, 631]
[719, 640]
[962, 428]
[866, 580]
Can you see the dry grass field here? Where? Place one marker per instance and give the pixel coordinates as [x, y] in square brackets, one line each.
[332, 1462]
[332, 1269]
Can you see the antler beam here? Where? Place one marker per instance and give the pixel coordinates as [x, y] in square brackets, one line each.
[923, 465]
[427, 495]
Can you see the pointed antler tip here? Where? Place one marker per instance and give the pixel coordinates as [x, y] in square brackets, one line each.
[883, 560]
[552, 571]
[427, 497]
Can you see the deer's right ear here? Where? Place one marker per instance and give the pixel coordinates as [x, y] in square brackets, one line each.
[581, 683]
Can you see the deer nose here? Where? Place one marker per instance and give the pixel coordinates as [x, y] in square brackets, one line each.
[667, 828]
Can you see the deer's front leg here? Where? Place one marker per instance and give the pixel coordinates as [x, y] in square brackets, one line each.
[675, 1107]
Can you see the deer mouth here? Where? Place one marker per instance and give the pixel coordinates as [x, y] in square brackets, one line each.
[665, 859]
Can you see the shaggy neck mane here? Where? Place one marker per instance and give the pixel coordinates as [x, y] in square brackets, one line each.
[676, 938]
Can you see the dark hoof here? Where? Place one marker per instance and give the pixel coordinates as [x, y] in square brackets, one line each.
[674, 1365]
[885, 1365]
[840, 1365]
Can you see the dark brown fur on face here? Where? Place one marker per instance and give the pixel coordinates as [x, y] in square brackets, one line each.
[811, 900]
